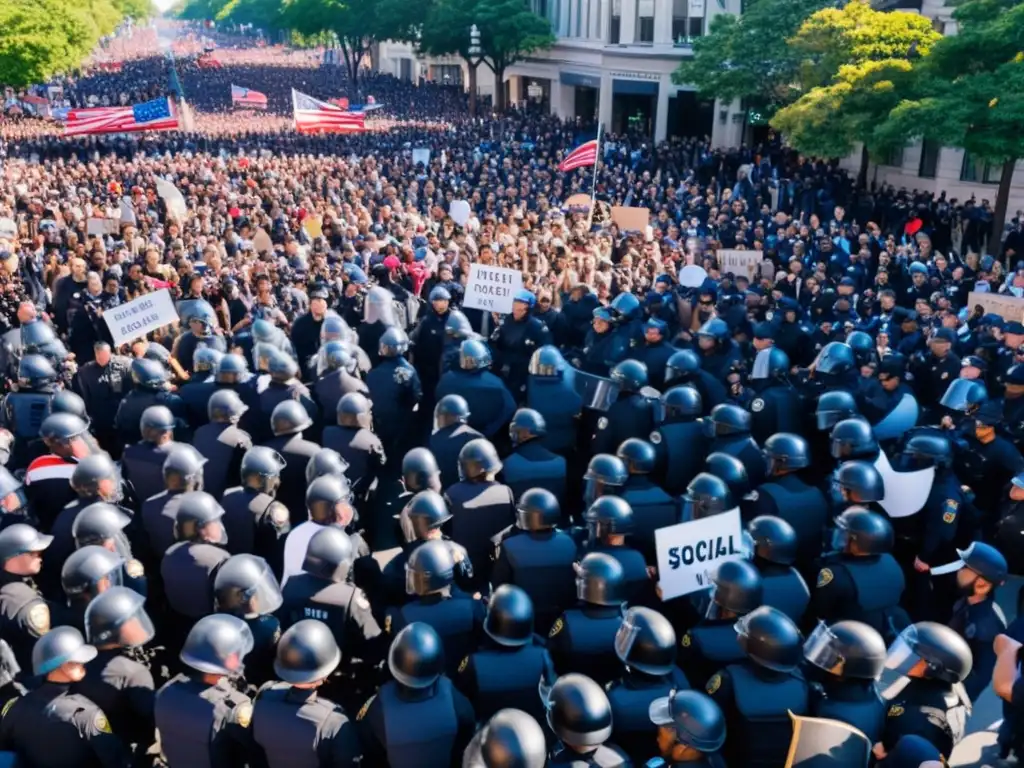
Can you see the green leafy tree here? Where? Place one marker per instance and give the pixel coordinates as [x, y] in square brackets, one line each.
[262, 14]
[41, 38]
[970, 92]
[856, 67]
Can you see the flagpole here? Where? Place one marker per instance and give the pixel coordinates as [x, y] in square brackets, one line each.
[593, 183]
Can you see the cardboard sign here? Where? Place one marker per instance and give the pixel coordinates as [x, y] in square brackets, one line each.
[1010, 308]
[690, 553]
[578, 202]
[740, 262]
[313, 225]
[492, 288]
[631, 219]
[421, 155]
[137, 318]
[261, 242]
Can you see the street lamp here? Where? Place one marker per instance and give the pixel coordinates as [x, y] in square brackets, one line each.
[473, 61]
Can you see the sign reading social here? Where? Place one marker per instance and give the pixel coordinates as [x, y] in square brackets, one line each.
[690, 553]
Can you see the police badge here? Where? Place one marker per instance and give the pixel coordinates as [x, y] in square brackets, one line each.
[402, 375]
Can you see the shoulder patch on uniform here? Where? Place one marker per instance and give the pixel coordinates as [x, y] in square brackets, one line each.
[39, 617]
[655, 438]
[713, 684]
[825, 577]
[602, 423]
[753, 496]
[402, 374]
[463, 664]
[134, 569]
[279, 514]
[243, 714]
[894, 711]
[949, 509]
[365, 708]
[970, 631]
[387, 624]
[757, 406]
[556, 627]
[101, 723]
[361, 600]
[7, 707]
[687, 641]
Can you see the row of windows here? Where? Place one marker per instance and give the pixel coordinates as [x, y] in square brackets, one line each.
[687, 19]
[971, 170]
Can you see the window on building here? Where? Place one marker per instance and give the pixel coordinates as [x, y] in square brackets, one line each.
[929, 159]
[645, 21]
[579, 18]
[616, 25]
[687, 23]
[980, 172]
[894, 158]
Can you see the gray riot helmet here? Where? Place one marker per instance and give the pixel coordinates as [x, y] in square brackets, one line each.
[59, 646]
[156, 421]
[225, 406]
[261, 469]
[306, 653]
[199, 519]
[416, 656]
[246, 587]
[183, 469]
[118, 617]
[89, 571]
[329, 555]
[325, 462]
[217, 645]
[94, 472]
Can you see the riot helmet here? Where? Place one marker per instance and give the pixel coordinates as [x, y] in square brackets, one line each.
[66, 401]
[217, 645]
[246, 587]
[103, 525]
[853, 439]
[328, 499]
[736, 589]
[157, 422]
[932, 651]
[261, 469]
[425, 512]
[118, 617]
[474, 355]
[148, 374]
[638, 456]
[646, 642]
[786, 452]
[731, 471]
[835, 359]
[609, 516]
[964, 396]
[538, 510]
[693, 717]
[527, 424]
[60, 646]
[547, 362]
[420, 471]
[355, 411]
[478, 459]
[329, 555]
[510, 739]
[289, 418]
[88, 571]
[450, 409]
[183, 469]
[926, 450]
[605, 473]
[630, 375]
[416, 656]
[682, 403]
[430, 569]
[35, 372]
[96, 476]
[232, 369]
[225, 406]
[727, 419]
[706, 495]
[509, 619]
[770, 639]
[393, 343]
[869, 532]
[600, 580]
[205, 359]
[579, 713]
[848, 650]
[774, 539]
[325, 462]
[306, 653]
[682, 368]
[199, 519]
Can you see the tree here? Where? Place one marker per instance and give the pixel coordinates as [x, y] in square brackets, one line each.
[509, 31]
[262, 14]
[748, 56]
[970, 92]
[856, 67]
[40, 38]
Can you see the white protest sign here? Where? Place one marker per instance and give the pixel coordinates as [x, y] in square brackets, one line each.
[459, 211]
[740, 262]
[492, 288]
[96, 227]
[421, 155]
[690, 553]
[137, 318]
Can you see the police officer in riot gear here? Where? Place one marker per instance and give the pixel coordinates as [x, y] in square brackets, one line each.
[976, 615]
[728, 429]
[202, 717]
[537, 557]
[490, 403]
[24, 613]
[631, 415]
[606, 474]
[844, 662]
[935, 661]
[679, 439]
[395, 391]
[582, 639]
[326, 462]
[143, 462]
[510, 738]
[776, 405]
[515, 340]
[379, 316]
[706, 495]
[436, 720]
[531, 464]
[457, 329]
[244, 586]
[758, 693]
[684, 368]
[150, 380]
[652, 507]
[610, 521]
[774, 552]
[202, 331]
[103, 383]
[287, 422]
[222, 441]
[88, 572]
[193, 393]
[691, 730]
[646, 646]
[580, 715]
[281, 384]
[354, 440]
[428, 339]
[335, 376]
[104, 525]
[182, 471]
[14, 503]
[503, 671]
[853, 439]
[856, 483]
[47, 478]
[861, 581]
[551, 392]
[254, 520]
[232, 373]
[451, 433]
[23, 411]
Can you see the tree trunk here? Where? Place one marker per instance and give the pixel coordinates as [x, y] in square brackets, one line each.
[472, 88]
[995, 240]
[865, 161]
[499, 90]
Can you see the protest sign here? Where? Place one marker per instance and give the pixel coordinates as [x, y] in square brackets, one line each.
[313, 225]
[579, 202]
[492, 289]
[690, 553]
[421, 155]
[631, 219]
[261, 242]
[740, 262]
[1010, 308]
[137, 318]
[459, 211]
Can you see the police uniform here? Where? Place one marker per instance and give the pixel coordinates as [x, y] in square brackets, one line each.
[776, 407]
[334, 385]
[64, 541]
[123, 688]
[143, 466]
[601, 352]
[496, 677]
[652, 509]
[24, 616]
[784, 589]
[22, 414]
[709, 647]
[490, 403]
[48, 487]
[856, 702]
[158, 516]
[427, 339]
[457, 619]
[223, 445]
[364, 569]
[296, 452]
[931, 709]
[631, 697]
[541, 564]
[747, 451]
[185, 347]
[799, 504]
[203, 725]
[363, 451]
[188, 569]
[531, 465]
[129, 412]
[392, 582]
[272, 393]
[445, 444]
[395, 391]
[480, 510]
[978, 624]
[639, 589]
[632, 415]
[102, 389]
[256, 523]
[582, 640]
[862, 588]
[556, 399]
[682, 451]
[514, 343]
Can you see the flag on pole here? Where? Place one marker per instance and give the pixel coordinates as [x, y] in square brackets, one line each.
[156, 115]
[585, 154]
[243, 97]
[315, 116]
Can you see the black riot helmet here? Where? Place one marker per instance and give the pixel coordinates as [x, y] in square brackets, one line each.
[630, 375]
[835, 359]
[986, 561]
[964, 396]
[737, 589]
[527, 424]
[450, 409]
[927, 450]
[19, 539]
[774, 539]
[325, 462]
[946, 655]
[600, 580]
[706, 495]
[430, 569]
[626, 307]
[217, 645]
[66, 401]
[306, 653]
[457, 326]
[426, 512]
[853, 439]
[861, 482]
[727, 419]
[478, 459]
[35, 372]
[786, 452]
[682, 368]
[646, 642]
[579, 713]
[770, 363]
[156, 421]
[863, 347]
[59, 646]
[329, 555]
[848, 650]
[62, 428]
[90, 570]
[225, 406]
[608, 516]
[205, 359]
[199, 519]
[638, 456]
[510, 739]
[232, 369]
[420, 471]
[547, 362]
[327, 499]
[289, 418]
[148, 374]
[393, 343]
[245, 586]
[183, 469]
[474, 355]
[355, 410]
[770, 639]
[870, 532]
[98, 524]
[90, 475]
[261, 469]
[731, 470]
[538, 510]
[416, 656]
[118, 617]
[509, 619]
[682, 403]
[283, 369]
[693, 717]
[604, 474]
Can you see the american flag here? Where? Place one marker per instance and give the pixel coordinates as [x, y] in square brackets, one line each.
[315, 116]
[243, 97]
[585, 154]
[156, 115]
